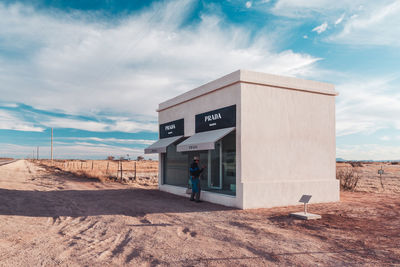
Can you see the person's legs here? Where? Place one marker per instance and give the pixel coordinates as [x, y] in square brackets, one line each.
[198, 192]
[198, 196]
[195, 188]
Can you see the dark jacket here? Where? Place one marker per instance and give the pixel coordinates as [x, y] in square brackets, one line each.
[195, 170]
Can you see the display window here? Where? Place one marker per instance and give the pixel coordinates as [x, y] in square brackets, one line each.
[219, 175]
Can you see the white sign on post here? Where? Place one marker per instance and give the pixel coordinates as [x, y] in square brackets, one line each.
[304, 215]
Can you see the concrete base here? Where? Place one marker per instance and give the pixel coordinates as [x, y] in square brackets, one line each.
[305, 216]
[225, 200]
[269, 194]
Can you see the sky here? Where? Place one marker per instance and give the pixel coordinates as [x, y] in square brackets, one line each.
[96, 70]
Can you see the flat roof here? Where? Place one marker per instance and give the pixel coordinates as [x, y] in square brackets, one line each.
[252, 77]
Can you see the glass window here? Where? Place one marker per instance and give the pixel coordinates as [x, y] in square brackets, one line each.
[176, 170]
[229, 163]
[219, 175]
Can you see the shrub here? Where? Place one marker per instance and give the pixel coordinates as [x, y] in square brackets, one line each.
[395, 162]
[348, 178]
[356, 164]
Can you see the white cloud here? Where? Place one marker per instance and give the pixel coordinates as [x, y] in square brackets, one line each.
[339, 20]
[385, 138]
[311, 8]
[367, 23]
[321, 28]
[112, 140]
[368, 152]
[367, 105]
[376, 24]
[76, 151]
[119, 125]
[76, 65]
[9, 121]
[248, 4]
[8, 105]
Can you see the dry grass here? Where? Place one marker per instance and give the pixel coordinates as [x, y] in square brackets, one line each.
[141, 172]
[369, 179]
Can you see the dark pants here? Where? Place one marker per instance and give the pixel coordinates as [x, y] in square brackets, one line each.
[195, 189]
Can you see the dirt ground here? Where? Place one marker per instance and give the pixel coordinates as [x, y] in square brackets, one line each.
[52, 218]
[370, 180]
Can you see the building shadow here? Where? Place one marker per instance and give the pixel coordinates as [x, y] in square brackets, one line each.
[76, 203]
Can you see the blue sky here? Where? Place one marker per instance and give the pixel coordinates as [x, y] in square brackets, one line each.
[95, 71]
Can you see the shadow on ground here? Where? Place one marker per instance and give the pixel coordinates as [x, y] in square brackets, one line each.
[75, 203]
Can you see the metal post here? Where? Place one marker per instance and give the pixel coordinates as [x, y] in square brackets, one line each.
[135, 170]
[121, 171]
[51, 145]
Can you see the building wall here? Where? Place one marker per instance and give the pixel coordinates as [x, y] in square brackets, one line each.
[287, 146]
[226, 96]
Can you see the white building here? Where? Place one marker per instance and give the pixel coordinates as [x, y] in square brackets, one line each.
[266, 140]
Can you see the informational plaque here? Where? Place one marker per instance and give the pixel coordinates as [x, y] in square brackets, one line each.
[305, 198]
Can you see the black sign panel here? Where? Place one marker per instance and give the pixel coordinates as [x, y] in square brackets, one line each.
[216, 119]
[170, 129]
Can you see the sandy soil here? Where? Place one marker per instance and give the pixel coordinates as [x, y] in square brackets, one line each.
[370, 180]
[51, 218]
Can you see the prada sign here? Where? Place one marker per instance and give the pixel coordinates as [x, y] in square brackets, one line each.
[170, 129]
[216, 119]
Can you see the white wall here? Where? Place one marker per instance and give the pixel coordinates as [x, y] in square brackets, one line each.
[288, 146]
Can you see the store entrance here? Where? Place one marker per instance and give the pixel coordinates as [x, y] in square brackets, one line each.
[219, 175]
[211, 177]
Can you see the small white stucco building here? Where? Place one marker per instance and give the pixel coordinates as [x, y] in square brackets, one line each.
[266, 140]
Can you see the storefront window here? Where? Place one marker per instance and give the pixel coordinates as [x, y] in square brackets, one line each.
[229, 163]
[220, 173]
[176, 170]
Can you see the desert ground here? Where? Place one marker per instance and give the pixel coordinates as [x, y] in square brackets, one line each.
[51, 216]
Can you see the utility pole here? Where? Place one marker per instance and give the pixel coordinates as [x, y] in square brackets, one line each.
[37, 153]
[51, 145]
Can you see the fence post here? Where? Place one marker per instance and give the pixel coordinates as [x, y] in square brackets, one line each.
[117, 170]
[121, 171]
[107, 167]
[92, 164]
[135, 170]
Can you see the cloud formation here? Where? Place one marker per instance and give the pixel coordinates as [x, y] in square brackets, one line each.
[72, 151]
[367, 105]
[321, 28]
[376, 24]
[9, 121]
[80, 64]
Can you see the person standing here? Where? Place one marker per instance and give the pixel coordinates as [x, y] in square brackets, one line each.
[195, 172]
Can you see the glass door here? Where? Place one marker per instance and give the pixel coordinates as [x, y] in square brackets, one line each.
[215, 167]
